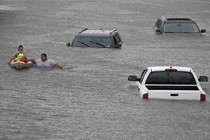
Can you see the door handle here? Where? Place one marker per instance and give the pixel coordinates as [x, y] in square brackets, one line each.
[174, 94]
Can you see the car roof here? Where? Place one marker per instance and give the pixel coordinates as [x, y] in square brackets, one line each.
[96, 32]
[163, 68]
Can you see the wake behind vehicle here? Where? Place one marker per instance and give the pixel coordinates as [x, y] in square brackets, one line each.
[97, 38]
[174, 83]
[165, 25]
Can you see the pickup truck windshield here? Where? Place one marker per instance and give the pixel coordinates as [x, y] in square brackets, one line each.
[166, 77]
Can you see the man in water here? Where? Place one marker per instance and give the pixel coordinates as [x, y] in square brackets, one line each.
[45, 62]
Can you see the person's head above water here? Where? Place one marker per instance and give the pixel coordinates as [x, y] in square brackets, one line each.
[43, 57]
[20, 47]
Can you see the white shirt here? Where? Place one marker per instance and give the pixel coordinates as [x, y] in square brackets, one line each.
[48, 63]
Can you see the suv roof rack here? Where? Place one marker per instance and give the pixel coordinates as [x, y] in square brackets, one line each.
[113, 31]
[83, 30]
[171, 19]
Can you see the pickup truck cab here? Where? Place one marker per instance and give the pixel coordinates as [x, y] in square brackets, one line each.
[164, 82]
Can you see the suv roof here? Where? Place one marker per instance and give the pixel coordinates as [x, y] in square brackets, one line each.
[96, 32]
[188, 19]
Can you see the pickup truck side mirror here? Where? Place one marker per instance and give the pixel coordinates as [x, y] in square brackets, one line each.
[133, 78]
[203, 79]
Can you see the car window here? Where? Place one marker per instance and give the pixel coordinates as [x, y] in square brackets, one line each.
[181, 27]
[92, 41]
[158, 23]
[142, 75]
[117, 39]
[163, 77]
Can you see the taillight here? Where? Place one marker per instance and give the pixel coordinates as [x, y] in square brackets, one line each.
[145, 96]
[203, 97]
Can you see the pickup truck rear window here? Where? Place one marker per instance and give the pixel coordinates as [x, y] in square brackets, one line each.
[172, 87]
[170, 77]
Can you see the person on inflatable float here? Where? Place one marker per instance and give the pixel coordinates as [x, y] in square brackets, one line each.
[19, 55]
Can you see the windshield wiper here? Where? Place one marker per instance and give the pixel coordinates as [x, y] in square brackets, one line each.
[83, 43]
[98, 44]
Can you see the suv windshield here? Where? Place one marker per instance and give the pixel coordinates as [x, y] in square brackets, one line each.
[164, 77]
[180, 27]
[92, 41]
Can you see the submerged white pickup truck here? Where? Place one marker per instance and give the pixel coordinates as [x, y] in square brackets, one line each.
[166, 82]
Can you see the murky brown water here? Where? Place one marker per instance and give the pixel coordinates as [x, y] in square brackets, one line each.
[91, 97]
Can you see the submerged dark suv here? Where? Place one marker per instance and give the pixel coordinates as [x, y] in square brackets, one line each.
[177, 25]
[97, 38]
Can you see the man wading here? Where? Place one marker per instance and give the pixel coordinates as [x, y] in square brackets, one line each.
[45, 62]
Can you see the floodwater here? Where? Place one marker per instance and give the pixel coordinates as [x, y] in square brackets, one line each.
[91, 98]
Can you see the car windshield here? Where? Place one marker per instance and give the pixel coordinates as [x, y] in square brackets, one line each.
[165, 77]
[183, 27]
[92, 41]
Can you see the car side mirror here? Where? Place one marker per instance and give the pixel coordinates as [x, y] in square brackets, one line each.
[203, 79]
[157, 30]
[68, 44]
[133, 78]
[203, 30]
[119, 45]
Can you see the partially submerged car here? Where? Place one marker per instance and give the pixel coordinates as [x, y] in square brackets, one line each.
[165, 25]
[175, 83]
[97, 38]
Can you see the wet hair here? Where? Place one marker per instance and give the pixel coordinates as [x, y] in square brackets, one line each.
[20, 46]
[44, 54]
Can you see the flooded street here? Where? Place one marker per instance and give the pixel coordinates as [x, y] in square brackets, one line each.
[91, 98]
